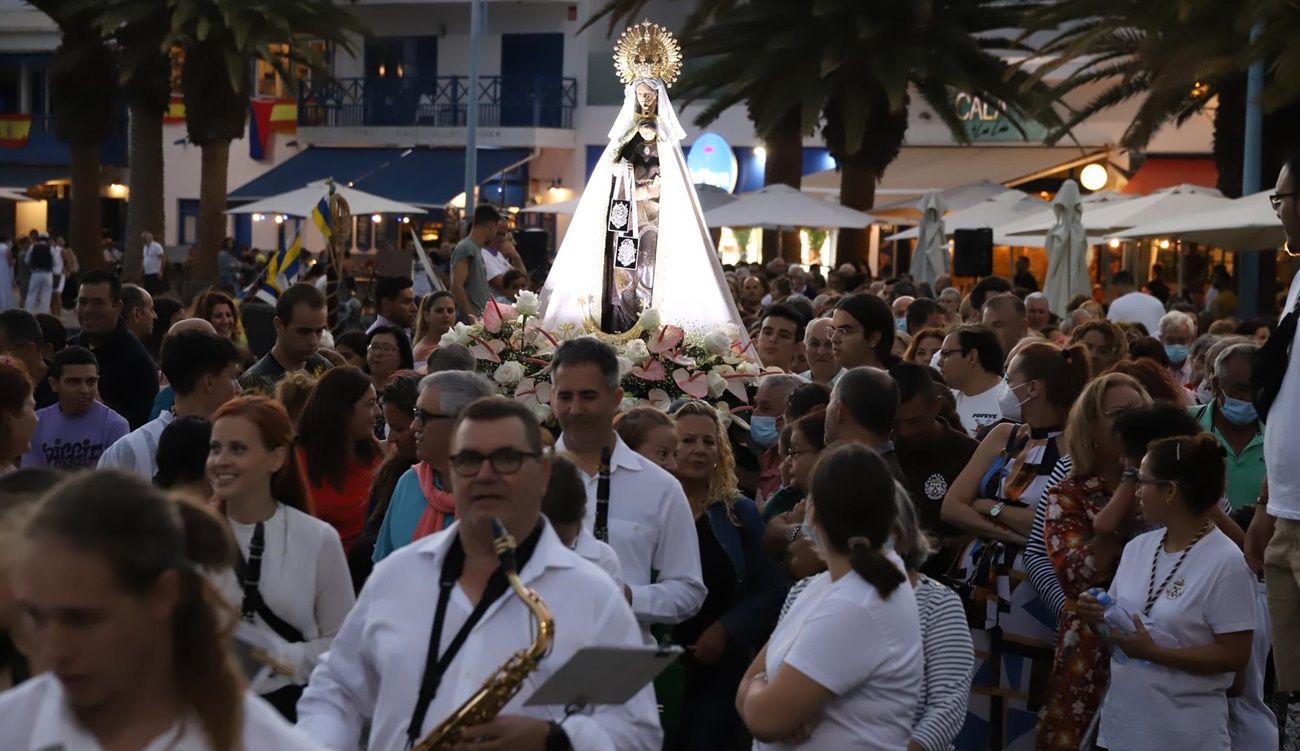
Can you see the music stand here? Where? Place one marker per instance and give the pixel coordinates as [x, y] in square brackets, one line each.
[603, 675]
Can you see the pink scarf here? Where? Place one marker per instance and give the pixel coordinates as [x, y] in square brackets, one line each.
[440, 503]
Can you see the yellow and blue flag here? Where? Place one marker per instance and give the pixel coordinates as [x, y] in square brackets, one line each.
[321, 216]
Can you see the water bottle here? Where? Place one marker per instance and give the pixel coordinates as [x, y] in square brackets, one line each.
[1116, 619]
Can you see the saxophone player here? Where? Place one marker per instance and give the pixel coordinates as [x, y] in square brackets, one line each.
[445, 591]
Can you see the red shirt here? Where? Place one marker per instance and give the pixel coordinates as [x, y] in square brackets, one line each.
[345, 509]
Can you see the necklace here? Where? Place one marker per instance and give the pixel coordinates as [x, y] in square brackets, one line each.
[1155, 557]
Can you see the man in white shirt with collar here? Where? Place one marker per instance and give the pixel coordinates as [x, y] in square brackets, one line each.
[650, 524]
[1131, 306]
[379, 661]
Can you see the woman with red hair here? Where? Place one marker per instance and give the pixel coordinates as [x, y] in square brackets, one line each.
[218, 309]
[17, 413]
[296, 586]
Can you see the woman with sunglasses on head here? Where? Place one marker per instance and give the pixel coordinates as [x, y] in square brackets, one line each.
[296, 587]
[1190, 597]
[110, 577]
[745, 586]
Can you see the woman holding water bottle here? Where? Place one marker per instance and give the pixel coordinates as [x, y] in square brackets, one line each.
[1190, 597]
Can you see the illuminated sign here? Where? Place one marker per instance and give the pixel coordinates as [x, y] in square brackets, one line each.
[984, 122]
[712, 162]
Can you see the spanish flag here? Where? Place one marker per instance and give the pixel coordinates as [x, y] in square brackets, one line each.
[14, 131]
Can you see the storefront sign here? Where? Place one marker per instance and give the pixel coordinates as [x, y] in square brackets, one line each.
[985, 123]
[712, 162]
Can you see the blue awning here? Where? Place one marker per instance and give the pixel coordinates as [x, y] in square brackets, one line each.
[425, 177]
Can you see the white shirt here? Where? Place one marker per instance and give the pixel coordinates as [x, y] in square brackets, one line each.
[864, 649]
[494, 264]
[304, 581]
[1251, 724]
[1151, 707]
[980, 410]
[35, 717]
[1282, 436]
[599, 553]
[374, 668]
[650, 527]
[1137, 307]
[137, 451]
[153, 258]
[56, 251]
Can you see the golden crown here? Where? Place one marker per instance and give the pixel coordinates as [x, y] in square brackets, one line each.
[647, 50]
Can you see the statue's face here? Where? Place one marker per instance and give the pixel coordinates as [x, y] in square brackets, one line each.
[646, 97]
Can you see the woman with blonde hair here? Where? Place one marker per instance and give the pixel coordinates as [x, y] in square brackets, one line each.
[1080, 556]
[436, 317]
[1105, 342]
[745, 587]
[650, 432]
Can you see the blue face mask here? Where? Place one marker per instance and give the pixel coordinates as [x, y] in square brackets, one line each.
[1238, 411]
[763, 431]
[1177, 353]
[900, 324]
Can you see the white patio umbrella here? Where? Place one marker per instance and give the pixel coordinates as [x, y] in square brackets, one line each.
[1247, 223]
[1166, 202]
[1067, 247]
[13, 195]
[930, 256]
[300, 202]
[1006, 207]
[781, 206]
[559, 207]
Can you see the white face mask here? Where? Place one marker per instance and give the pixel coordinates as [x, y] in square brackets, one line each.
[1009, 403]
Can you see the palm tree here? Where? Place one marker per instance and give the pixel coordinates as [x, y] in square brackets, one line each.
[140, 32]
[850, 66]
[83, 97]
[221, 40]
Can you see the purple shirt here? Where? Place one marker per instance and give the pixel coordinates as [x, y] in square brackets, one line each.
[73, 442]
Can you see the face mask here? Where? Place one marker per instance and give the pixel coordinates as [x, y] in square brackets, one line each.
[1238, 411]
[1204, 394]
[1010, 404]
[1177, 353]
[900, 324]
[762, 430]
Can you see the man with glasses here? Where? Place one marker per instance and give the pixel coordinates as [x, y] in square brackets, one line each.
[421, 503]
[644, 515]
[447, 592]
[970, 359]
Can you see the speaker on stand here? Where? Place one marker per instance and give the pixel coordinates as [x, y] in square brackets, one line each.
[972, 252]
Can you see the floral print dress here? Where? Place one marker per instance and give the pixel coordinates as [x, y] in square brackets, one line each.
[1081, 666]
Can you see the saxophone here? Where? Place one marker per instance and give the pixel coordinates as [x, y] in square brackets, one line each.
[501, 686]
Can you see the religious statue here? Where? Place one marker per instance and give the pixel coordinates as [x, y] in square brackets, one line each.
[639, 199]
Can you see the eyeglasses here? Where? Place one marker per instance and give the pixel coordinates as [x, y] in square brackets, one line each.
[504, 461]
[945, 353]
[794, 452]
[1275, 199]
[383, 349]
[1151, 481]
[419, 415]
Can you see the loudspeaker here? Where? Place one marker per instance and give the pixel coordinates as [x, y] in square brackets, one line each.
[972, 252]
[531, 244]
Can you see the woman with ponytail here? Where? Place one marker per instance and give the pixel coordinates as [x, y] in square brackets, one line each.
[1191, 599]
[111, 578]
[295, 580]
[843, 668]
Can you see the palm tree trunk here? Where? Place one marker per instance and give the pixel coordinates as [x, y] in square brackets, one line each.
[784, 166]
[858, 177]
[144, 211]
[87, 221]
[212, 217]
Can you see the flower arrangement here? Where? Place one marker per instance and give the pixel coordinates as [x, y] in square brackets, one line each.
[659, 367]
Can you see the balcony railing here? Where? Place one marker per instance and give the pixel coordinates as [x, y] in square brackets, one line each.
[503, 102]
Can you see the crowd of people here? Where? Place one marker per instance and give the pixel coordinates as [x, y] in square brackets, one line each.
[951, 518]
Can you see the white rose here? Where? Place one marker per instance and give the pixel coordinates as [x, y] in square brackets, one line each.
[458, 334]
[717, 384]
[731, 330]
[542, 413]
[650, 320]
[637, 351]
[749, 368]
[624, 366]
[717, 342]
[508, 373]
[526, 303]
